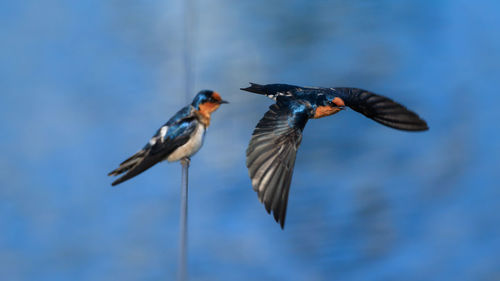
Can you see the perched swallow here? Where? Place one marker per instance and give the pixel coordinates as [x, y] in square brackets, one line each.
[276, 139]
[181, 137]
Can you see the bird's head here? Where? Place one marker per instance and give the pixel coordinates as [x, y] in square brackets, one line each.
[328, 106]
[207, 101]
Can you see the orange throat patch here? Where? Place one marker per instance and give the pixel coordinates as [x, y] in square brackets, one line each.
[205, 110]
[325, 110]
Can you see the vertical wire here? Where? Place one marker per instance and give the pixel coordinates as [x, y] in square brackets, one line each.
[182, 273]
[188, 85]
[188, 48]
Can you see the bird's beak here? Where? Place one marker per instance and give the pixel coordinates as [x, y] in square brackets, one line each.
[223, 101]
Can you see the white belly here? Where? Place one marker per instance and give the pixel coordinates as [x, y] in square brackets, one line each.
[190, 147]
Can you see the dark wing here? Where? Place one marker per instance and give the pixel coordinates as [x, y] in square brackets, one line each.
[157, 150]
[271, 154]
[381, 109]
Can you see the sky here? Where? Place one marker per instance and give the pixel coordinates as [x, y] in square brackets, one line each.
[85, 84]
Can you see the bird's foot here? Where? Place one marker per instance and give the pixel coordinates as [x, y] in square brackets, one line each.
[186, 161]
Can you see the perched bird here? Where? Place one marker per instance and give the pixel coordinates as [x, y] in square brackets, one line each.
[276, 139]
[181, 137]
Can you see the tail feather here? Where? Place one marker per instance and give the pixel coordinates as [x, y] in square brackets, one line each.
[128, 166]
[271, 90]
[138, 165]
[255, 88]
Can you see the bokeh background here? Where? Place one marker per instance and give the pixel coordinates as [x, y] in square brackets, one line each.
[84, 84]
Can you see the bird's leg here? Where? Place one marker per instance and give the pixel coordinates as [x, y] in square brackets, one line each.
[186, 161]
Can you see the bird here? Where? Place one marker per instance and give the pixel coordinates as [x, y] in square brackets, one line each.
[276, 138]
[180, 138]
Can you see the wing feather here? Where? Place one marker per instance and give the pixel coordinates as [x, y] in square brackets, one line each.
[272, 151]
[381, 109]
[166, 142]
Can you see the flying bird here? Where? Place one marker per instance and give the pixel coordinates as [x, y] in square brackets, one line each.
[181, 137]
[276, 139]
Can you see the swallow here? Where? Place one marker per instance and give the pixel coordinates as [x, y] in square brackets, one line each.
[276, 138]
[180, 138]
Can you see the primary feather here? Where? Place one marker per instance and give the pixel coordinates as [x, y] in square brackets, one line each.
[272, 151]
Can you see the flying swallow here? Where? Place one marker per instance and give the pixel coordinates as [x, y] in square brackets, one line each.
[181, 137]
[276, 139]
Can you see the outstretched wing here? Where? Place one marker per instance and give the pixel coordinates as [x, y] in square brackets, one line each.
[271, 153]
[381, 109]
[162, 144]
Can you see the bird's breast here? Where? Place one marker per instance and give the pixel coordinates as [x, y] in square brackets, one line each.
[191, 146]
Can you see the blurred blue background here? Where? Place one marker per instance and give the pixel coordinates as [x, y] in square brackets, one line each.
[84, 84]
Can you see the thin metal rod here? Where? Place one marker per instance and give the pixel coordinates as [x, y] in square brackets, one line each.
[188, 47]
[188, 10]
[182, 273]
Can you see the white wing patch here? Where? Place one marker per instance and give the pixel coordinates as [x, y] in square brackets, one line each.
[161, 137]
[163, 132]
[273, 97]
[278, 94]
